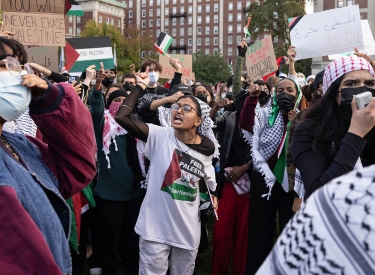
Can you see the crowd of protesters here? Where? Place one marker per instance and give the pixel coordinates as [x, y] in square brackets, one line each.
[95, 171]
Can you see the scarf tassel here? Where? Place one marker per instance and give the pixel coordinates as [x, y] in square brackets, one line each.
[109, 163]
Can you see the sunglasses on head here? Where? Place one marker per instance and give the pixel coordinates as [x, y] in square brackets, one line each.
[186, 108]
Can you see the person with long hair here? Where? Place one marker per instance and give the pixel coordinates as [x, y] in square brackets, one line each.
[335, 136]
[180, 157]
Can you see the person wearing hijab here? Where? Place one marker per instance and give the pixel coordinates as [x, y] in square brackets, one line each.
[267, 132]
[335, 135]
[118, 191]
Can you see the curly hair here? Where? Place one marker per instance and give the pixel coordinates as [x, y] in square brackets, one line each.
[148, 62]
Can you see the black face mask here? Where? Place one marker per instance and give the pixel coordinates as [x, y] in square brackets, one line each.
[202, 97]
[108, 81]
[347, 97]
[128, 86]
[263, 97]
[285, 101]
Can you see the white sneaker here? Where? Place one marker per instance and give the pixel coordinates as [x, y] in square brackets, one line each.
[96, 271]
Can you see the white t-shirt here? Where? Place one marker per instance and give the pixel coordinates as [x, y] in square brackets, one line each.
[169, 212]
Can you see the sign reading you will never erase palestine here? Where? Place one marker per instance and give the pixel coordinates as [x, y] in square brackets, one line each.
[327, 32]
[35, 22]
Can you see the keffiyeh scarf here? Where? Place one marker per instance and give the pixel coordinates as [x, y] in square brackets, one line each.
[111, 129]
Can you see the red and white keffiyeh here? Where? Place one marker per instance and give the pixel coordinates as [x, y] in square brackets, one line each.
[111, 129]
[343, 65]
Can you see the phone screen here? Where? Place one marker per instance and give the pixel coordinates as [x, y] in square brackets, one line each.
[72, 79]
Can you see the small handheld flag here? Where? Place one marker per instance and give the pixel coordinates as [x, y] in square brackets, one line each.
[246, 29]
[163, 43]
[160, 50]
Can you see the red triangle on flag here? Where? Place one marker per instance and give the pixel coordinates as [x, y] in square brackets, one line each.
[71, 56]
[67, 6]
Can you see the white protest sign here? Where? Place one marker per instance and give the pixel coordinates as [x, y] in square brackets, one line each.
[327, 32]
[368, 41]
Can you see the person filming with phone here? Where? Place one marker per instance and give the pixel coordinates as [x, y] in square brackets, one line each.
[337, 134]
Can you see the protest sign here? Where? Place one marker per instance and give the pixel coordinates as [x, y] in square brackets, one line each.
[168, 71]
[36, 29]
[260, 59]
[368, 41]
[92, 51]
[33, 6]
[44, 56]
[327, 32]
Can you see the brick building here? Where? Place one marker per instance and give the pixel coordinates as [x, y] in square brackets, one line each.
[367, 10]
[207, 25]
[108, 11]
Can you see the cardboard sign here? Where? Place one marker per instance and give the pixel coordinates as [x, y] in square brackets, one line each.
[326, 32]
[44, 56]
[260, 59]
[368, 41]
[168, 70]
[33, 6]
[36, 29]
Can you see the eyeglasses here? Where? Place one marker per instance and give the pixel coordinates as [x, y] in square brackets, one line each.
[14, 67]
[186, 108]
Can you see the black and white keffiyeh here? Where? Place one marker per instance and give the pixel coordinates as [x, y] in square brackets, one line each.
[333, 233]
[23, 124]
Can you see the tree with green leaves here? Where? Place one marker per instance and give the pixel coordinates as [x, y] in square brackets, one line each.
[210, 68]
[271, 16]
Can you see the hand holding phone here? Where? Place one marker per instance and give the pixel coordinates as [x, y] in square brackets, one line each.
[363, 99]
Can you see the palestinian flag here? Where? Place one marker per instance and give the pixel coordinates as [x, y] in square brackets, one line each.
[163, 43]
[75, 9]
[91, 50]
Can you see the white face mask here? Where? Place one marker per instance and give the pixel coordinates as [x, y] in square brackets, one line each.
[154, 77]
[14, 97]
[223, 95]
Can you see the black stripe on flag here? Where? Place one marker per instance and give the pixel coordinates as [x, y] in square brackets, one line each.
[161, 38]
[295, 23]
[90, 42]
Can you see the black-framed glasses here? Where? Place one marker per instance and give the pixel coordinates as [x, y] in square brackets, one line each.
[14, 66]
[186, 108]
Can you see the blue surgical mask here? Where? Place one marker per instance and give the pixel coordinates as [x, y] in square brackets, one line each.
[14, 97]
[154, 77]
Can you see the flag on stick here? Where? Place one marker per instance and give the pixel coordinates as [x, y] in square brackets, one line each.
[75, 9]
[246, 29]
[163, 43]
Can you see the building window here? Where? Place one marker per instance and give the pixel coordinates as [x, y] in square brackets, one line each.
[130, 23]
[239, 39]
[174, 43]
[174, 32]
[182, 9]
[166, 21]
[112, 21]
[100, 19]
[207, 43]
[166, 11]
[167, 2]
[182, 51]
[174, 1]
[248, 3]
[207, 19]
[107, 20]
[158, 12]
[130, 3]
[151, 12]
[78, 19]
[174, 10]
[230, 28]
[199, 42]
[199, 30]
[216, 40]
[182, 20]
[199, 8]
[70, 30]
[216, 18]
[190, 52]
[150, 53]
[182, 42]
[158, 2]
[166, 31]
[78, 31]
[130, 14]
[190, 9]
[190, 30]
[207, 30]
[207, 51]
[151, 2]
[118, 23]
[216, 7]
[70, 18]
[150, 23]
[143, 13]
[239, 16]
[143, 54]
[275, 15]
[229, 51]
[174, 52]
[208, 8]
[174, 21]
[230, 17]
[143, 3]
[190, 20]
[239, 27]
[230, 40]
[239, 5]
[216, 29]
[340, 3]
[158, 22]
[190, 42]
[199, 19]
[143, 23]
[216, 51]
[230, 6]
[349, 3]
[157, 33]
[182, 31]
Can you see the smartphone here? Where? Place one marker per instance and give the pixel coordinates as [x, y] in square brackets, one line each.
[363, 99]
[73, 78]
